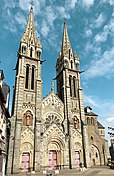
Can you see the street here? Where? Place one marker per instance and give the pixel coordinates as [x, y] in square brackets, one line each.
[96, 171]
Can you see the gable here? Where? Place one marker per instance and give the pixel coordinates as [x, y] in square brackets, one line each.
[52, 103]
[54, 132]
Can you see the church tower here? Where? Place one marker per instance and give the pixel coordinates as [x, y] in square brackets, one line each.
[27, 102]
[68, 81]
[70, 92]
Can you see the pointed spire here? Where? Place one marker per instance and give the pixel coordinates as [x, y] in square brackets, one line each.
[30, 30]
[65, 42]
[29, 34]
[31, 43]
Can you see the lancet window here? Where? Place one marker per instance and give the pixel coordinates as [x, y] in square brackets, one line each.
[74, 85]
[31, 52]
[70, 84]
[32, 77]
[27, 76]
[71, 64]
[23, 49]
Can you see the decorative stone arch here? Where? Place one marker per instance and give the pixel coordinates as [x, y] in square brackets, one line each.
[75, 122]
[77, 146]
[59, 143]
[52, 118]
[27, 118]
[26, 147]
[56, 146]
[77, 155]
[95, 156]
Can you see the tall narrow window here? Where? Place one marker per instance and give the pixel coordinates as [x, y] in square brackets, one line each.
[74, 85]
[27, 77]
[38, 54]
[23, 49]
[31, 52]
[32, 78]
[70, 84]
[88, 121]
[92, 121]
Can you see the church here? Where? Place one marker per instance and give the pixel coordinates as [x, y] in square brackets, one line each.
[55, 132]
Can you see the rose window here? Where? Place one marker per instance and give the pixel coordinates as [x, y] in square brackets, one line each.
[51, 119]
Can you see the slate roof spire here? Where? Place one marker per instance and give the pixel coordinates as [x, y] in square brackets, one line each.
[66, 47]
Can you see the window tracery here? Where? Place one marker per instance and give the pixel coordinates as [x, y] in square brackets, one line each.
[52, 119]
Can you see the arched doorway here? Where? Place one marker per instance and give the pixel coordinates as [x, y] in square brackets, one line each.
[55, 155]
[94, 155]
[78, 155]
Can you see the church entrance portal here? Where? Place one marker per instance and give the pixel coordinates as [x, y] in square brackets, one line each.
[77, 159]
[25, 162]
[52, 159]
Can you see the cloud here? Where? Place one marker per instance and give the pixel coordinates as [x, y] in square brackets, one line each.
[38, 5]
[92, 48]
[99, 21]
[70, 4]
[88, 3]
[44, 29]
[103, 66]
[111, 2]
[9, 19]
[104, 108]
[88, 32]
[101, 37]
[108, 29]
[9, 4]
[90, 100]
[62, 13]
[20, 19]
[110, 119]
[51, 16]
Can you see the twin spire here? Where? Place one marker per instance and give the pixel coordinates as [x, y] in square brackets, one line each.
[30, 40]
[66, 47]
[29, 36]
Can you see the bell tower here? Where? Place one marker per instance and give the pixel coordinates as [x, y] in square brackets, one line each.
[69, 89]
[68, 78]
[27, 99]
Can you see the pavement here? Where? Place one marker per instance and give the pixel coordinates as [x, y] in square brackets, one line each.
[95, 171]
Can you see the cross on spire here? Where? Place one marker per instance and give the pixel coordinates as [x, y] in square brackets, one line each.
[31, 3]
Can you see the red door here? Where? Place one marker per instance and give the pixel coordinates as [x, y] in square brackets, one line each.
[77, 158]
[52, 159]
[25, 162]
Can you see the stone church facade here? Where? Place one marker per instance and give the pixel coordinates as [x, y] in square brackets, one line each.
[54, 132]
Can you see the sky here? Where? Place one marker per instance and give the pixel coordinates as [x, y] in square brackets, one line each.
[90, 26]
